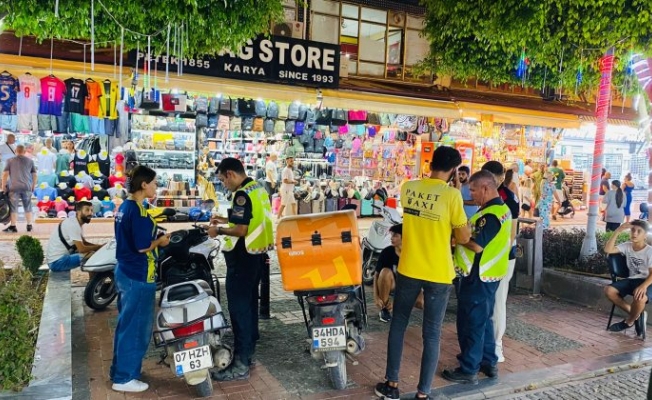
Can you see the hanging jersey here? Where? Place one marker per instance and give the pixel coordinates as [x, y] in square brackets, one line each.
[8, 92]
[113, 179]
[64, 193]
[93, 98]
[30, 88]
[48, 191]
[63, 162]
[81, 193]
[52, 93]
[75, 95]
[68, 180]
[101, 180]
[100, 194]
[105, 164]
[110, 99]
[80, 163]
[60, 205]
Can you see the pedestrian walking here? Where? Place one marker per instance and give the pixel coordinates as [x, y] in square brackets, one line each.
[19, 180]
[287, 188]
[614, 201]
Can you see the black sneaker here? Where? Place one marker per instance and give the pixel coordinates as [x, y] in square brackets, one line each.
[29, 228]
[456, 375]
[237, 371]
[10, 229]
[385, 315]
[384, 391]
[620, 326]
[491, 371]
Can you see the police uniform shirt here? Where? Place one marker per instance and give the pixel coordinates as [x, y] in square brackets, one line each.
[509, 198]
[242, 211]
[485, 230]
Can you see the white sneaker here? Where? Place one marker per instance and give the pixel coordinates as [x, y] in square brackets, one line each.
[501, 359]
[133, 385]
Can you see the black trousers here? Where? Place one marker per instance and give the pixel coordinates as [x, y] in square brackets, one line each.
[243, 272]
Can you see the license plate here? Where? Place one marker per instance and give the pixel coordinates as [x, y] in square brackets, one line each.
[327, 338]
[193, 359]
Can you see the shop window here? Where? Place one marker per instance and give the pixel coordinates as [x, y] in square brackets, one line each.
[369, 14]
[372, 42]
[395, 53]
[325, 29]
[325, 7]
[371, 69]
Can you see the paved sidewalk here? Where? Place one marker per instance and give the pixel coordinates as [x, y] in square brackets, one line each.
[541, 333]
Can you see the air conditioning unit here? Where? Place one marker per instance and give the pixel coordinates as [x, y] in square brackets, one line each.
[293, 29]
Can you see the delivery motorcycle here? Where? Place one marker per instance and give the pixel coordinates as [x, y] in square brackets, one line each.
[319, 255]
[376, 240]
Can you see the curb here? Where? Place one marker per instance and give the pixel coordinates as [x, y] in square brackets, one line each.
[525, 382]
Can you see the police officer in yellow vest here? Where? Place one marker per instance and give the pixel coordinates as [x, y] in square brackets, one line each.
[482, 262]
[248, 237]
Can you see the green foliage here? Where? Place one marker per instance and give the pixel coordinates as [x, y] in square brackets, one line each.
[212, 25]
[484, 39]
[561, 249]
[31, 252]
[20, 312]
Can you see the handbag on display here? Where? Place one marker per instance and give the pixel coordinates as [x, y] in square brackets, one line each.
[338, 117]
[401, 136]
[201, 121]
[223, 123]
[299, 127]
[357, 117]
[323, 116]
[293, 111]
[213, 105]
[225, 106]
[289, 126]
[236, 124]
[259, 125]
[279, 126]
[261, 108]
[373, 118]
[311, 116]
[174, 102]
[343, 130]
[201, 105]
[247, 123]
[407, 122]
[283, 111]
[246, 108]
[272, 109]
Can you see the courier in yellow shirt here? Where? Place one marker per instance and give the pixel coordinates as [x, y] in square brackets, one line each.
[433, 212]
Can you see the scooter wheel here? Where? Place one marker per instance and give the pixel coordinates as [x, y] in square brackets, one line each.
[100, 291]
[369, 269]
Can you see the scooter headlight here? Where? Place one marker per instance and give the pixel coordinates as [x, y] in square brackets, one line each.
[380, 230]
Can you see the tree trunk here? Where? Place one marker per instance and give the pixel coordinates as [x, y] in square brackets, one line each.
[590, 245]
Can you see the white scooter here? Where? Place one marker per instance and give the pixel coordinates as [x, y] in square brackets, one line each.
[376, 240]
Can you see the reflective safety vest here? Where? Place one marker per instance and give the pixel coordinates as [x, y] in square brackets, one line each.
[495, 256]
[260, 234]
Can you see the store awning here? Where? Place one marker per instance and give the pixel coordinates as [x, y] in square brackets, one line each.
[610, 121]
[519, 116]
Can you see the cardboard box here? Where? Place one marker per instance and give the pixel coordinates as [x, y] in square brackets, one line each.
[319, 251]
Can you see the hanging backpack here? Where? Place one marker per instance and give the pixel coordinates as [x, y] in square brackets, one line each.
[258, 125]
[293, 111]
[261, 108]
[303, 111]
[272, 109]
[268, 126]
[225, 106]
[338, 117]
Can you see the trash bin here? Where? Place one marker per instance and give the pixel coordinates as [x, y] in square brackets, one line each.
[529, 255]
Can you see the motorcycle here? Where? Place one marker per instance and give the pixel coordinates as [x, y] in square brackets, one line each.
[100, 290]
[190, 323]
[376, 240]
[319, 255]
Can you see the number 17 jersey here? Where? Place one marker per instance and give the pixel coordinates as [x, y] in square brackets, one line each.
[52, 92]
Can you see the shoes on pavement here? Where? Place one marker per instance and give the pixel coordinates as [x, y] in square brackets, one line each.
[491, 371]
[620, 326]
[29, 227]
[456, 375]
[384, 391]
[10, 229]
[237, 371]
[133, 386]
[501, 359]
[385, 315]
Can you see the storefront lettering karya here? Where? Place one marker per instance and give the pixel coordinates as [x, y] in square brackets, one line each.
[269, 59]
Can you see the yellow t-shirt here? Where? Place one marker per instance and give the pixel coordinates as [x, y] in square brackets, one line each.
[431, 209]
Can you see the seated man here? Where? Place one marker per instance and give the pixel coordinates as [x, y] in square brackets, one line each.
[639, 262]
[385, 277]
[60, 256]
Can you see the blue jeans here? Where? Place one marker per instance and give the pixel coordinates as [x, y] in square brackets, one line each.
[134, 329]
[243, 271]
[475, 331]
[66, 263]
[435, 299]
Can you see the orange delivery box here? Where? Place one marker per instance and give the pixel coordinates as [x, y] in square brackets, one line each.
[319, 251]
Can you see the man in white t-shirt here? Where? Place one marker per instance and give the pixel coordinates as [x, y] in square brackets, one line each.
[638, 285]
[59, 257]
[287, 188]
[7, 150]
[271, 175]
[46, 158]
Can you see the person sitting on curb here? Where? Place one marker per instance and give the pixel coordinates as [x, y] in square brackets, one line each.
[639, 262]
[385, 276]
[67, 244]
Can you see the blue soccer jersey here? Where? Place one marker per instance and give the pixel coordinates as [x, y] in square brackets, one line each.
[9, 89]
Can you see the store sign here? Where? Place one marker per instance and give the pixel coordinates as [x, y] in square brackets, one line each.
[274, 59]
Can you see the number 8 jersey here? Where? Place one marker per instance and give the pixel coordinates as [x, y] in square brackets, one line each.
[30, 87]
[8, 91]
[52, 92]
